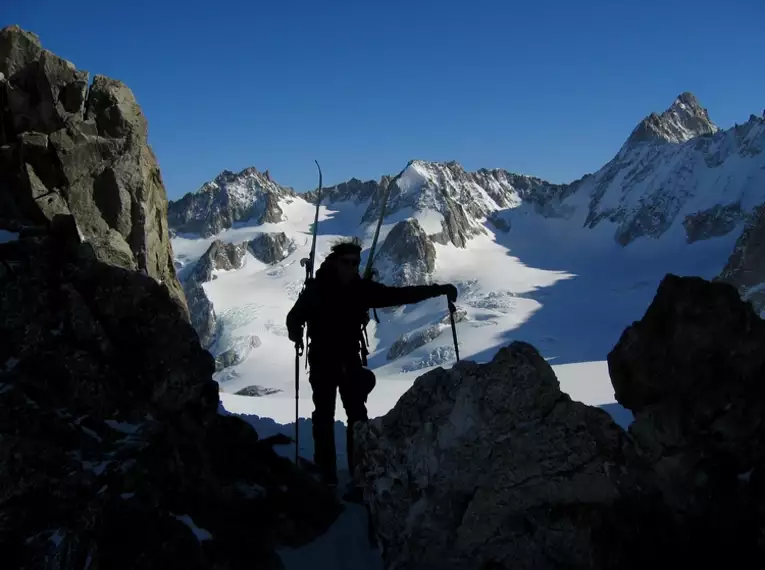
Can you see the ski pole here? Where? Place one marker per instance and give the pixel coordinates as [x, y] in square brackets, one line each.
[297, 391]
[452, 310]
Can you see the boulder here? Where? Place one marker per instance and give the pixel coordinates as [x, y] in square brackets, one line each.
[69, 149]
[692, 371]
[489, 466]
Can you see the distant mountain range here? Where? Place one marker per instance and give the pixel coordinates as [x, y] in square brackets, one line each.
[677, 172]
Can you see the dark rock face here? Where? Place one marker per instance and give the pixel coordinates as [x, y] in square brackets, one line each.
[692, 371]
[110, 434]
[66, 149]
[407, 256]
[113, 451]
[271, 247]
[716, 221]
[745, 268]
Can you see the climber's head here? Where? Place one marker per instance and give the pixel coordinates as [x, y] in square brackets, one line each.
[344, 261]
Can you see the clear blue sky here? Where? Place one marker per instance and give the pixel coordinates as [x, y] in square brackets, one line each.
[544, 87]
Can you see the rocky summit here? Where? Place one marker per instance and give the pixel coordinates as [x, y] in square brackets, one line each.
[68, 147]
[248, 196]
[492, 466]
[114, 452]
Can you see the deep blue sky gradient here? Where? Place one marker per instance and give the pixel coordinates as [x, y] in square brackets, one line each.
[550, 88]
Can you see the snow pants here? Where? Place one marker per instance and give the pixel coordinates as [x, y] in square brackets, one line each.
[354, 382]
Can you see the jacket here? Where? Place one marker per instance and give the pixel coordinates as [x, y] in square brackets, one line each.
[335, 313]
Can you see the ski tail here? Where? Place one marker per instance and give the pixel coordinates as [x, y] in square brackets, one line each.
[308, 262]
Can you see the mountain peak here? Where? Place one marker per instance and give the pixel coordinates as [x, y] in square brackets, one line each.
[231, 197]
[683, 120]
[228, 176]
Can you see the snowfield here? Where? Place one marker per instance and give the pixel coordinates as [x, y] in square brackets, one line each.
[568, 291]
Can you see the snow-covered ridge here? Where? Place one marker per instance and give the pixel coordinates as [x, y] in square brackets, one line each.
[676, 171]
[248, 196]
[703, 187]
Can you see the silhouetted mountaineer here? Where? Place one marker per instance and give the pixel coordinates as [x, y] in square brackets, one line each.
[335, 305]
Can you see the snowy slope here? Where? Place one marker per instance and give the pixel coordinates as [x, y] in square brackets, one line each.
[698, 186]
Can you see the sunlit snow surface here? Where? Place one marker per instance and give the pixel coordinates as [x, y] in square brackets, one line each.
[568, 291]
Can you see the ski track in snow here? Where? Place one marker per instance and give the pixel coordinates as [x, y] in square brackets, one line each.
[568, 291]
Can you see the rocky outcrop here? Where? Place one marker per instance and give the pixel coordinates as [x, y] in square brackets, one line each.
[407, 256]
[412, 340]
[354, 190]
[113, 451]
[684, 120]
[691, 370]
[237, 353]
[745, 269]
[491, 466]
[219, 256]
[257, 391]
[713, 222]
[248, 196]
[271, 248]
[70, 149]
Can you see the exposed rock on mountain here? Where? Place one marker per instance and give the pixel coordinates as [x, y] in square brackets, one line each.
[460, 199]
[745, 268]
[684, 120]
[257, 391]
[69, 149]
[237, 353]
[113, 451]
[713, 222]
[219, 255]
[271, 248]
[249, 196]
[678, 167]
[415, 339]
[407, 256]
[491, 466]
[354, 191]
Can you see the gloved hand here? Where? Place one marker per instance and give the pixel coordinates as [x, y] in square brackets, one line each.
[450, 291]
